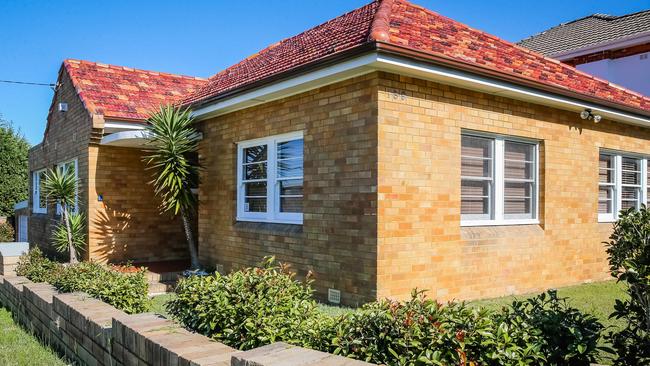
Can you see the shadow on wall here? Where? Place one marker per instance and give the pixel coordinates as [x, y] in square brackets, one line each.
[127, 226]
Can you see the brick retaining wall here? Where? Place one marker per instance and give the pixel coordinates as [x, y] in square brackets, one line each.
[91, 332]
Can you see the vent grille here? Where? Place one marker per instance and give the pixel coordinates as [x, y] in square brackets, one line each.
[334, 296]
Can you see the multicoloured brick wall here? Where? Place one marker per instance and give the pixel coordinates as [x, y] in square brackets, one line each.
[337, 240]
[66, 137]
[420, 239]
[127, 225]
[382, 192]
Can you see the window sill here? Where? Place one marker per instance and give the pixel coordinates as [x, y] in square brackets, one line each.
[262, 221]
[499, 223]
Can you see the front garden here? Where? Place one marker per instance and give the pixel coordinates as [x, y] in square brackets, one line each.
[257, 306]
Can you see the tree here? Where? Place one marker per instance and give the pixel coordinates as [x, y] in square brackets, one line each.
[13, 167]
[60, 187]
[172, 142]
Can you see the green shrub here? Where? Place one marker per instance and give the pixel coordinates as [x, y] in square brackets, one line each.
[251, 308]
[125, 291]
[37, 267]
[629, 260]
[569, 336]
[77, 222]
[423, 332]
[6, 232]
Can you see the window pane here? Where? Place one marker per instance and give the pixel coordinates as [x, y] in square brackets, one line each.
[606, 199]
[631, 172]
[606, 169]
[519, 160]
[255, 154]
[290, 168]
[518, 170]
[630, 197]
[41, 194]
[290, 149]
[475, 197]
[519, 151]
[518, 198]
[291, 195]
[256, 189]
[291, 187]
[476, 160]
[255, 197]
[255, 171]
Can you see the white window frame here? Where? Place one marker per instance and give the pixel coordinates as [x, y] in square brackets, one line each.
[618, 182]
[497, 211]
[76, 180]
[272, 214]
[36, 193]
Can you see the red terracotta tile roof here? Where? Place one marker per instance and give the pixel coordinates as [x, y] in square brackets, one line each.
[124, 93]
[400, 23]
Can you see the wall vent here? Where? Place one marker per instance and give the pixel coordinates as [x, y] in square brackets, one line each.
[63, 107]
[334, 296]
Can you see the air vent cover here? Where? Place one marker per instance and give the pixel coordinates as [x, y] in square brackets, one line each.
[334, 296]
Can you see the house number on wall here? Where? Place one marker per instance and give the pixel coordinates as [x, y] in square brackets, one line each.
[396, 94]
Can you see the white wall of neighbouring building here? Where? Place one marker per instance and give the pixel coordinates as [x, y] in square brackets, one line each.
[632, 72]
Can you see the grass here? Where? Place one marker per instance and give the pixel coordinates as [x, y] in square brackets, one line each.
[158, 304]
[19, 348]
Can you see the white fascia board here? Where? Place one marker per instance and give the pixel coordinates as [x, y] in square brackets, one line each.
[633, 40]
[468, 80]
[406, 66]
[119, 125]
[133, 138]
[285, 88]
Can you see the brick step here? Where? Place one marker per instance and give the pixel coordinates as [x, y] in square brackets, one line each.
[161, 287]
[163, 277]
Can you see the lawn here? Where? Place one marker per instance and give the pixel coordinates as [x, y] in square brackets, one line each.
[19, 348]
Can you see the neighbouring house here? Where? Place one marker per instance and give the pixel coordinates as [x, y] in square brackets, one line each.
[95, 127]
[392, 148]
[615, 48]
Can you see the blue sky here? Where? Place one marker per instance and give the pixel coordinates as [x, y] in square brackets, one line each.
[200, 38]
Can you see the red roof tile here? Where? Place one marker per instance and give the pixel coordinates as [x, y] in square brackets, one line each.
[124, 93]
[400, 23]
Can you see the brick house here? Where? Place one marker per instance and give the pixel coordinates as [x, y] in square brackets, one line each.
[94, 127]
[392, 148]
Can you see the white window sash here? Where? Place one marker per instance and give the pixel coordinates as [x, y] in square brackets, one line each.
[36, 193]
[75, 210]
[499, 217]
[272, 214]
[617, 201]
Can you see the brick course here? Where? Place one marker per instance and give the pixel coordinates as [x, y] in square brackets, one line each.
[382, 192]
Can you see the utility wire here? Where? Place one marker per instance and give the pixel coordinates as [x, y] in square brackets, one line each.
[26, 83]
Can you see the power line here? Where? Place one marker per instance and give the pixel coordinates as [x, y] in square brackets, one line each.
[26, 83]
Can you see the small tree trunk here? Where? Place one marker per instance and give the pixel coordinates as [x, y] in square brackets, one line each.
[66, 220]
[189, 235]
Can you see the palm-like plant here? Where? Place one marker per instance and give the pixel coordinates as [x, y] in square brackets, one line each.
[172, 140]
[60, 187]
[76, 225]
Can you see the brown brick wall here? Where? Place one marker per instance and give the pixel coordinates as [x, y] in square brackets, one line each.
[338, 237]
[127, 225]
[421, 242]
[66, 137]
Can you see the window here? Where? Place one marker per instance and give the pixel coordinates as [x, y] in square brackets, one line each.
[70, 166]
[39, 201]
[498, 180]
[622, 183]
[270, 179]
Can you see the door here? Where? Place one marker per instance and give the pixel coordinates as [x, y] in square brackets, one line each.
[22, 228]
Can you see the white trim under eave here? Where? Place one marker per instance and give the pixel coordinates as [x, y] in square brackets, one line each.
[376, 61]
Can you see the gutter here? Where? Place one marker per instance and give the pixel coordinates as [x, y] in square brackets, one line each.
[380, 56]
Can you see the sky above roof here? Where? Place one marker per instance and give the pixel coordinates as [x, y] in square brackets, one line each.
[200, 38]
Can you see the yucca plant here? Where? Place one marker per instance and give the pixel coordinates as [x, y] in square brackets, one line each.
[60, 187]
[172, 141]
[77, 225]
